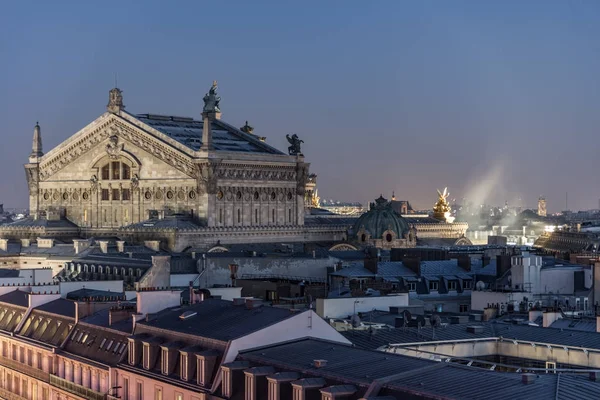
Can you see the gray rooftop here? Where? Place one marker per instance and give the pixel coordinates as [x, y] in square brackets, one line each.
[188, 132]
[217, 319]
[16, 298]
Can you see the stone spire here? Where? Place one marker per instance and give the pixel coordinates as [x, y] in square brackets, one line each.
[36, 148]
[115, 101]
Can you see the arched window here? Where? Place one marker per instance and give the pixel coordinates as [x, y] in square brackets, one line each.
[123, 271]
[115, 271]
[115, 170]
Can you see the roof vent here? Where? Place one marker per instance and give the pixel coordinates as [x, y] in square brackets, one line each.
[528, 379]
[187, 315]
[320, 363]
[475, 329]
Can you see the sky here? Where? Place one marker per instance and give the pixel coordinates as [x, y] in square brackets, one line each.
[498, 101]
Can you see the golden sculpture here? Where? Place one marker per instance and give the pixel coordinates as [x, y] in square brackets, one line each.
[441, 209]
[315, 200]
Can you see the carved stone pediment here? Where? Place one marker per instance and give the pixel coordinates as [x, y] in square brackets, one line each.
[118, 133]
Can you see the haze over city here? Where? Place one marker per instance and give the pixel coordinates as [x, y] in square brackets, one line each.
[497, 101]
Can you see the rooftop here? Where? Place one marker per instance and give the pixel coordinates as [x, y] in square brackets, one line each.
[217, 319]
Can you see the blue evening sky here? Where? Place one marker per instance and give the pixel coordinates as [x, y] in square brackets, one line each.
[496, 100]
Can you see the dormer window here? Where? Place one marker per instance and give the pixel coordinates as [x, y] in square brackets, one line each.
[184, 367]
[146, 356]
[412, 286]
[165, 362]
[433, 285]
[467, 284]
[451, 285]
[131, 352]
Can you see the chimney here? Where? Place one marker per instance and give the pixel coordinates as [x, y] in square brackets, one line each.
[119, 313]
[45, 243]
[103, 246]
[79, 245]
[548, 318]
[503, 264]
[307, 388]
[253, 303]
[371, 260]
[413, 263]
[279, 385]
[120, 246]
[232, 378]
[152, 244]
[256, 382]
[4, 244]
[464, 261]
[528, 379]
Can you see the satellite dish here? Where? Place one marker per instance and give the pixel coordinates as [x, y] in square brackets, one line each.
[480, 286]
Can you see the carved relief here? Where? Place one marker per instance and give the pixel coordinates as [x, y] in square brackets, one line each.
[111, 129]
[33, 179]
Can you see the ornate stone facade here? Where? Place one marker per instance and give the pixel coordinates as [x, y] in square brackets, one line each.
[123, 169]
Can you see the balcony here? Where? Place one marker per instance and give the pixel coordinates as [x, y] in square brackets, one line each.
[5, 394]
[75, 388]
[25, 369]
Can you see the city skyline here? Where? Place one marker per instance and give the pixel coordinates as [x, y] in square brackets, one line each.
[494, 101]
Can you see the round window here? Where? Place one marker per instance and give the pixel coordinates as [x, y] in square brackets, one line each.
[219, 195]
[148, 195]
[169, 195]
[388, 237]
[256, 195]
[238, 195]
[273, 196]
[46, 196]
[86, 196]
[290, 195]
[192, 195]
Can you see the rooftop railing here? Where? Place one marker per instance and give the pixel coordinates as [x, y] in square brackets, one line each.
[75, 388]
[24, 368]
[5, 394]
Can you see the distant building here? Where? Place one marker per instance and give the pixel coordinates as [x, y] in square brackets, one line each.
[541, 207]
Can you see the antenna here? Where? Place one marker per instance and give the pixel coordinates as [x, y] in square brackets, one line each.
[116, 80]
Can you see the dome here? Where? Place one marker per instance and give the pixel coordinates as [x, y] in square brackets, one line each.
[380, 218]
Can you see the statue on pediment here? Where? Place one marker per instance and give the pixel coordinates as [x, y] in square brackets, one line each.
[211, 100]
[295, 142]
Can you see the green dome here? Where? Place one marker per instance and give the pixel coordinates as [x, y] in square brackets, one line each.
[379, 219]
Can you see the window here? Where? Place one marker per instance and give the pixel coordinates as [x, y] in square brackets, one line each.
[220, 215]
[433, 285]
[125, 389]
[109, 345]
[412, 286]
[158, 393]
[463, 308]
[4, 350]
[126, 171]
[178, 396]
[45, 394]
[39, 360]
[115, 194]
[102, 343]
[239, 212]
[131, 353]
[165, 362]
[273, 215]
[116, 170]
[467, 284]
[140, 391]
[30, 357]
[125, 194]
[105, 195]
[550, 367]
[146, 357]
[106, 172]
[184, 367]
[451, 285]
[290, 215]
[256, 216]
[388, 237]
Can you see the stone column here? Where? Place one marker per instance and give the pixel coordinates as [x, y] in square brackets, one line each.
[95, 384]
[77, 373]
[85, 379]
[69, 371]
[61, 368]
